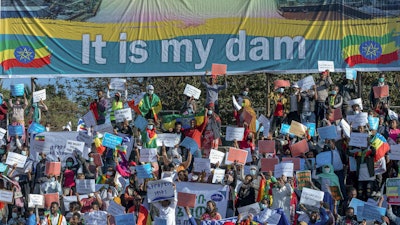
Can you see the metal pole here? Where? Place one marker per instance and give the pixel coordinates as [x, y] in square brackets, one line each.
[268, 106]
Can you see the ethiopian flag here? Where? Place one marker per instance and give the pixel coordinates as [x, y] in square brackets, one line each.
[168, 121]
[15, 53]
[358, 49]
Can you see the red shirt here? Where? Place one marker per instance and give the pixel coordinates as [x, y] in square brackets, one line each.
[195, 133]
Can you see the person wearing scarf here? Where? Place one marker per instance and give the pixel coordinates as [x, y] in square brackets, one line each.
[150, 105]
[328, 178]
[246, 194]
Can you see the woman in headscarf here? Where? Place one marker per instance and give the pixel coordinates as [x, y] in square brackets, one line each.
[328, 179]
[248, 115]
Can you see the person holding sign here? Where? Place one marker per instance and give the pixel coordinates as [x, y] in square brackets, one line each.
[142, 215]
[280, 107]
[54, 218]
[328, 178]
[195, 131]
[18, 110]
[323, 84]
[334, 100]
[117, 102]
[176, 160]
[212, 132]
[379, 83]
[281, 195]
[247, 193]
[212, 90]
[99, 107]
[149, 135]
[52, 185]
[150, 105]
[167, 208]
[348, 90]
[307, 105]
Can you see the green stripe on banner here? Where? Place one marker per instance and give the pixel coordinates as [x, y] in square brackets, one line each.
[13, 44]
[359, 39]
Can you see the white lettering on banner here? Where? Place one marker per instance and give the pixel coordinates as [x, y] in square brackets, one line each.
[71, 146]
[15, 158]
[359, 139]
[169, 139]
[192, 91]
[204, 192]
[311, 197]
[122, 114]
[216, 156]
[39, 95]
[117, 84]
[160, 190]
[184, 49]
[234, 133]
[85, 186]
[6, 196]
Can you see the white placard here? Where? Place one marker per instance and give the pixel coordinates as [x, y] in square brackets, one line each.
[201, 164]
[357, 101]
[326, 65]
[192, 91]
[117, 84]
[394, 152]
[104, 128]
[346, 127]
[283, 169]
[115, 209]
[219, 175]
[274, 218]
[89, 119]
[122, 114]
[96, 218]
[85, 186]
[2, 133]
[6, 196]
[15, 158]
[69, 199]
[311, 197]
[36, 200]
[306, 83]
[216, 156]
[360, 119]
[252, 208]
[236, 104]
[160, 190]
[266, 123]
[71, 146]
[359, 139]
[169, 139]
[234, 133]
[39, 95]
[148, 155]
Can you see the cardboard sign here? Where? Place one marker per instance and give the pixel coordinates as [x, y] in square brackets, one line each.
[39, 95]
[281, 83]
[2, 133]
[15, 130]
[85, 186]
[306, 83]
[216, 156]
[53, 168]
[326, 65]
[73, 146]
[50, 198]
[36, 128]
[336, 193]
[238, 155]
[144, 171]
[268, 164]
[329, 132]
[140, 123]
[186, 199]
[266, 146]
[169, 139]
[299, 148]
[160, 190]
[148, 155]
[123, 114]
[393, 191]
[345, 127]
[117, 84]
[218, 176]
[311, 197]
[89, 119]
[381, 92]
[15, 158]
[351, 74]
[295, 161]
[111, 141]
[190, 144]
[303, 179]
[297, 129]
[115, 209]
[201, 164]
[359, 139]
[17, 90]
[283, 169]
[36, 200]
[234, 133]
[218, 69]
[192, 91]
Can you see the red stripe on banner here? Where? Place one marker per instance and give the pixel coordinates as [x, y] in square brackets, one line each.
[384, 59]
[36, 63]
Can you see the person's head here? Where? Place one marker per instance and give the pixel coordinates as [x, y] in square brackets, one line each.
[183, 175]
[99, 94]
[324, 74]
[248, 179]
[42, 156]
[54, 207]
[165, 203]
[253, 170]
[295, 87]
[137, 200]
[211, 207]
[349, 212]
[75, 219]
[110, 171]
[245, 91]
[178, 127]
[280, 90]
[393, 124]
[314, 216]
[352, 193]
[310, 154]
[25, 150]
[356, 107]
[69, 162]
[95, 205]
[213, 80]
[150, 89]
[210, 107]
[326, 169]
[332, 144]
[15, 213]
[74, 207]
[335, 90]
[150, 124]
[381, 78]
[117, 96]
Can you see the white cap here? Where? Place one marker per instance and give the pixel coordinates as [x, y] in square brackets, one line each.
[150, 87]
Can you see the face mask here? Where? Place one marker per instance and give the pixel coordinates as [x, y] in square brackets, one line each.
[23, 153]
[381, 80]
[109, 173]
[357, 112]
[333, 92]
[109, 195]
[327, 170]
[2, 151]
[210, 112]
[253, 172]
[52, 179]
[263, 206]
[208, 209]
[47, 129]
[150, 92]
[245, 93]
[150, 127]
[281, 90]
[40, 158]
[69, 164]
[14, 215]
[91, 159]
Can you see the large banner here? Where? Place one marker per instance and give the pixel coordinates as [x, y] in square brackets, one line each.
[124, 38]
[204, 192]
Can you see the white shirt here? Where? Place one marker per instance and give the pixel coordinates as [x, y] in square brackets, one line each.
[167, 213]
[54, 220]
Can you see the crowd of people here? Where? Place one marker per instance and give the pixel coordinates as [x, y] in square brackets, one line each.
[349, 169]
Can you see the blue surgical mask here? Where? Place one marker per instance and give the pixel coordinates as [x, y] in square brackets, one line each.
[150, 127]
[210, 112]
[333, 92]
[245, 93]
[69, 164]
[281, 90]
[381, 80]
[2, 151]
[52, 179]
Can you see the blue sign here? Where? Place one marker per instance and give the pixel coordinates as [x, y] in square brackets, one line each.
[125, 219]
[190, 144]
[17, 90]
[3, 167]
[351, 74]
[144, 171]
[15, 130]
[373, 122]
[140, 123]
[111, 141]
[328, 132]
[36, 128]
[311, 129]
[285, 129]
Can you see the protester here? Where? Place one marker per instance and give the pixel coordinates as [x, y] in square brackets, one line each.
[212, 90]
[99, 107]
[150, 105]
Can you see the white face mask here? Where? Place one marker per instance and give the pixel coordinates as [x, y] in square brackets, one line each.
[210, 112]
[327, 170]
[150, 92]
[23, 153]
[253, 172]
[47, 129]
[245, 93]
[150, 127]
[109, 173]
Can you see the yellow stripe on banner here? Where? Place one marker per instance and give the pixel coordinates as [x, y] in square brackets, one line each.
[9, 53]
[165, 30]
[355, 49]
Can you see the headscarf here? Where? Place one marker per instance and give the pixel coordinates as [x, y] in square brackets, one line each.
[249, 110]
[334, 180]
